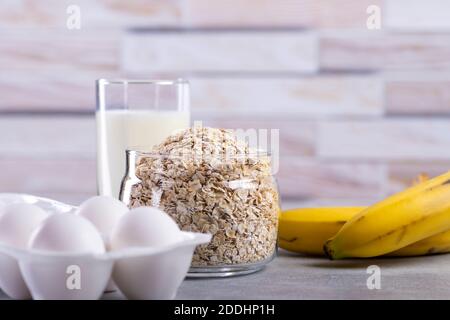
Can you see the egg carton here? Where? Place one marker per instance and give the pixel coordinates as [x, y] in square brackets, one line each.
[49, 205]
[139, 273]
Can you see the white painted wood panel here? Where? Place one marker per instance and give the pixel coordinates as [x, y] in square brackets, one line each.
[54, 69]
[417, 15]
[38, 176]
[296, 138]
[94, 13]
[54, 89]
[226, 51]
[429, 98]
[418, 93]
[47, 137]
[306, 179]
[281, 13]
[376, 50]
[289, 98]
[53, 48]
[390, 139]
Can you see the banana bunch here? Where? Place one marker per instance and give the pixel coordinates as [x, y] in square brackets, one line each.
[413, 222]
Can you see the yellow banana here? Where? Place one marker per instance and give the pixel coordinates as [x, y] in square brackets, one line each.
[305, 230]
[439, 243]
[400, 220]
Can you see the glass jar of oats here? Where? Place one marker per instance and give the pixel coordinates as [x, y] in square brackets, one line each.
[210, 182]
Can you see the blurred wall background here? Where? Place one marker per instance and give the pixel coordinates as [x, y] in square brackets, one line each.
[361, 112]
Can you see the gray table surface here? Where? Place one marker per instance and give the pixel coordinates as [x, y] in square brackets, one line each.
[292, 276]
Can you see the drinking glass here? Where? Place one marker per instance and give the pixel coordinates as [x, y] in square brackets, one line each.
[134, 113]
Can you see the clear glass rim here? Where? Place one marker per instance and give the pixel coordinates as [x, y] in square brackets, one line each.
[182, 87]
[164, 82]
[136, 151]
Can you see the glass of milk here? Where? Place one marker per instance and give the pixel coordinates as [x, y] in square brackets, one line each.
[135, 113]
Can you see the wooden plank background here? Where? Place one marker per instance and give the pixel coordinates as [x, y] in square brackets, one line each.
[361, 112]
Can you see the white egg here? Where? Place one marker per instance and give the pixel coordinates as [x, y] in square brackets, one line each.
[17, 224]
[145, 226]
[72, 236]
[103, 212]
[66, 232]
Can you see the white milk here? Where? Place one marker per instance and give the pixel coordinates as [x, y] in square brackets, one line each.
[118, 130]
